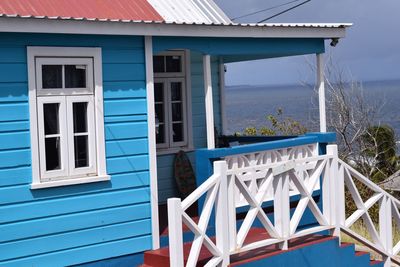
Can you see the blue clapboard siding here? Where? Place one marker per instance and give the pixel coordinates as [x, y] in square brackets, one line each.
[166, 180]
[81, 223]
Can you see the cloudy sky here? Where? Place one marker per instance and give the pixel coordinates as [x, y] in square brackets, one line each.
[371, 50]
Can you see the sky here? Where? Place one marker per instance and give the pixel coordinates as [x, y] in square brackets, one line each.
[370, 51]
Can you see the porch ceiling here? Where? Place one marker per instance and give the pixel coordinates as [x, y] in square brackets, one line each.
[242, 49]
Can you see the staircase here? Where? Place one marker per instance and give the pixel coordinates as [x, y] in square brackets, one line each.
[308, 251]
[219, 237]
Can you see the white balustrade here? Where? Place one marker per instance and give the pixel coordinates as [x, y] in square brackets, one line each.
[254, 178]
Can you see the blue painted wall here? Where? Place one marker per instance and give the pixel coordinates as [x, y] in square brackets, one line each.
[81, 223]
[166, 180]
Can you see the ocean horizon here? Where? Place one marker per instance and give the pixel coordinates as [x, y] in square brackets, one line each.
[249, 105]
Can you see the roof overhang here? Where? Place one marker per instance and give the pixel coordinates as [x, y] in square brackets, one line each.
[142, 28]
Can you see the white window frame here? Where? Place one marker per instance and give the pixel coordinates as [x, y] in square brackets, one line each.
[93, 94]
[169, 146]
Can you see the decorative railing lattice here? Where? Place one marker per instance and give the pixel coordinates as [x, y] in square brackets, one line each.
[252, 179]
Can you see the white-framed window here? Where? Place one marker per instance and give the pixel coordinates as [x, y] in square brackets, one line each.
[66, 116]
[172, 101]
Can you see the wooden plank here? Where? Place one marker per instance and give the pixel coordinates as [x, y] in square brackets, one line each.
[126, 147]
[12, 92]
[123, 72]
[86, 254]
[14, 111]
[66, 205]
[125, 107]
[22, 193]
[127, 164]
[115, 55]
[12, 126]
[16, 158]
[73, 222]
[124, 89]
[15, 176]
[128, 130]
[14, 140]
[13, 73]
[63, 241]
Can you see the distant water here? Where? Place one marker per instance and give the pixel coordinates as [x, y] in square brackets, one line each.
[250, 105]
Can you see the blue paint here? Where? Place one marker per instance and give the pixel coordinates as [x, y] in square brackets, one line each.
[129, 260]
[327, 254]
[239, 49]
[81, 223]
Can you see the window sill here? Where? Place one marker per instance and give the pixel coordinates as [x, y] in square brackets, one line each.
[167, 151]
[74, 181]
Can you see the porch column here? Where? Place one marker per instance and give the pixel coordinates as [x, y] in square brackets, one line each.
[208, 101]
[321, 92]
[222, 95]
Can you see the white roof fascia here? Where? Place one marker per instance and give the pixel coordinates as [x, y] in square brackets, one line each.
[33, 25]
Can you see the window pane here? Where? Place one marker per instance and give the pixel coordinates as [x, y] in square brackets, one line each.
[174, 63]
[52, 147]
[158, 64]
[176, 91]
[178, 132]
[159, 92]
[75, 76]
[81, 151]
[160, 134]
[80, 117]
[51, 113]
[51, 76]
[177, 112]
[160, 112]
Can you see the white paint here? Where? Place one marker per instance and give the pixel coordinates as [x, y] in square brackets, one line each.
[321, 91]
[68, 175]
[34, 25]
[190, 11]
[209, 101]
[175, 232]
[222, 96]
[152, 142]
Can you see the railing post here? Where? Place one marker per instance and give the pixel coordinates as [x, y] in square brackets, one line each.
[282, 207]
[221, 213]
[385, 227]
[232, 213]
[175, 232]
[330, 192]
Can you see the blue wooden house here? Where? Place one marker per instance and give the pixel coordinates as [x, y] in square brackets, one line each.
[97, 97]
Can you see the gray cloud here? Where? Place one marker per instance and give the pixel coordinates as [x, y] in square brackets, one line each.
[370, 51]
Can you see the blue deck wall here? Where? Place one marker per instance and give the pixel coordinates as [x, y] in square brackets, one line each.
[81, 223]
[166, 180]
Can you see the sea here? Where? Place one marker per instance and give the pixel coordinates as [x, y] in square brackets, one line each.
[249, 106]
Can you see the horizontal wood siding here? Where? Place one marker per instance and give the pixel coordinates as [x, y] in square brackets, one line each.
[82, 223]
[166, 180]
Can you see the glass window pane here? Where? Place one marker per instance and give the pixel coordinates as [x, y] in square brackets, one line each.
[177, 132]
[75, 76]
[177, 112]
[52, 148]
[51, 118]
[159, 92]
[160, 112]
[158, 64]
[81, 151]
[160, 134]
[51, 76]
[176, 91]
[174, 63]
[80, 117]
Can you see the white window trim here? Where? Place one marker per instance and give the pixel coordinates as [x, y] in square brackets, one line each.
[187, 146]
[67, 52]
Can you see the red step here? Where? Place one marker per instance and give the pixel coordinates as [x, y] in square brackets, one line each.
[160, 257]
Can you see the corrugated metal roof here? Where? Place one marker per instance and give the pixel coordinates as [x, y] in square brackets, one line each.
[190, 11]
[119, 10]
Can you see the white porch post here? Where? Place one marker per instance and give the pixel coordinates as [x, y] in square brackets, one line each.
[321, 92]
[222, 95]
[208, 101]
[152, 141]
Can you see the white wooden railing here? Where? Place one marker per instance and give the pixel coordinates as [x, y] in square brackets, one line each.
[254, 178]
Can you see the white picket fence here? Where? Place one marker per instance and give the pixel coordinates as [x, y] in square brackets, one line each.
[254, 178]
